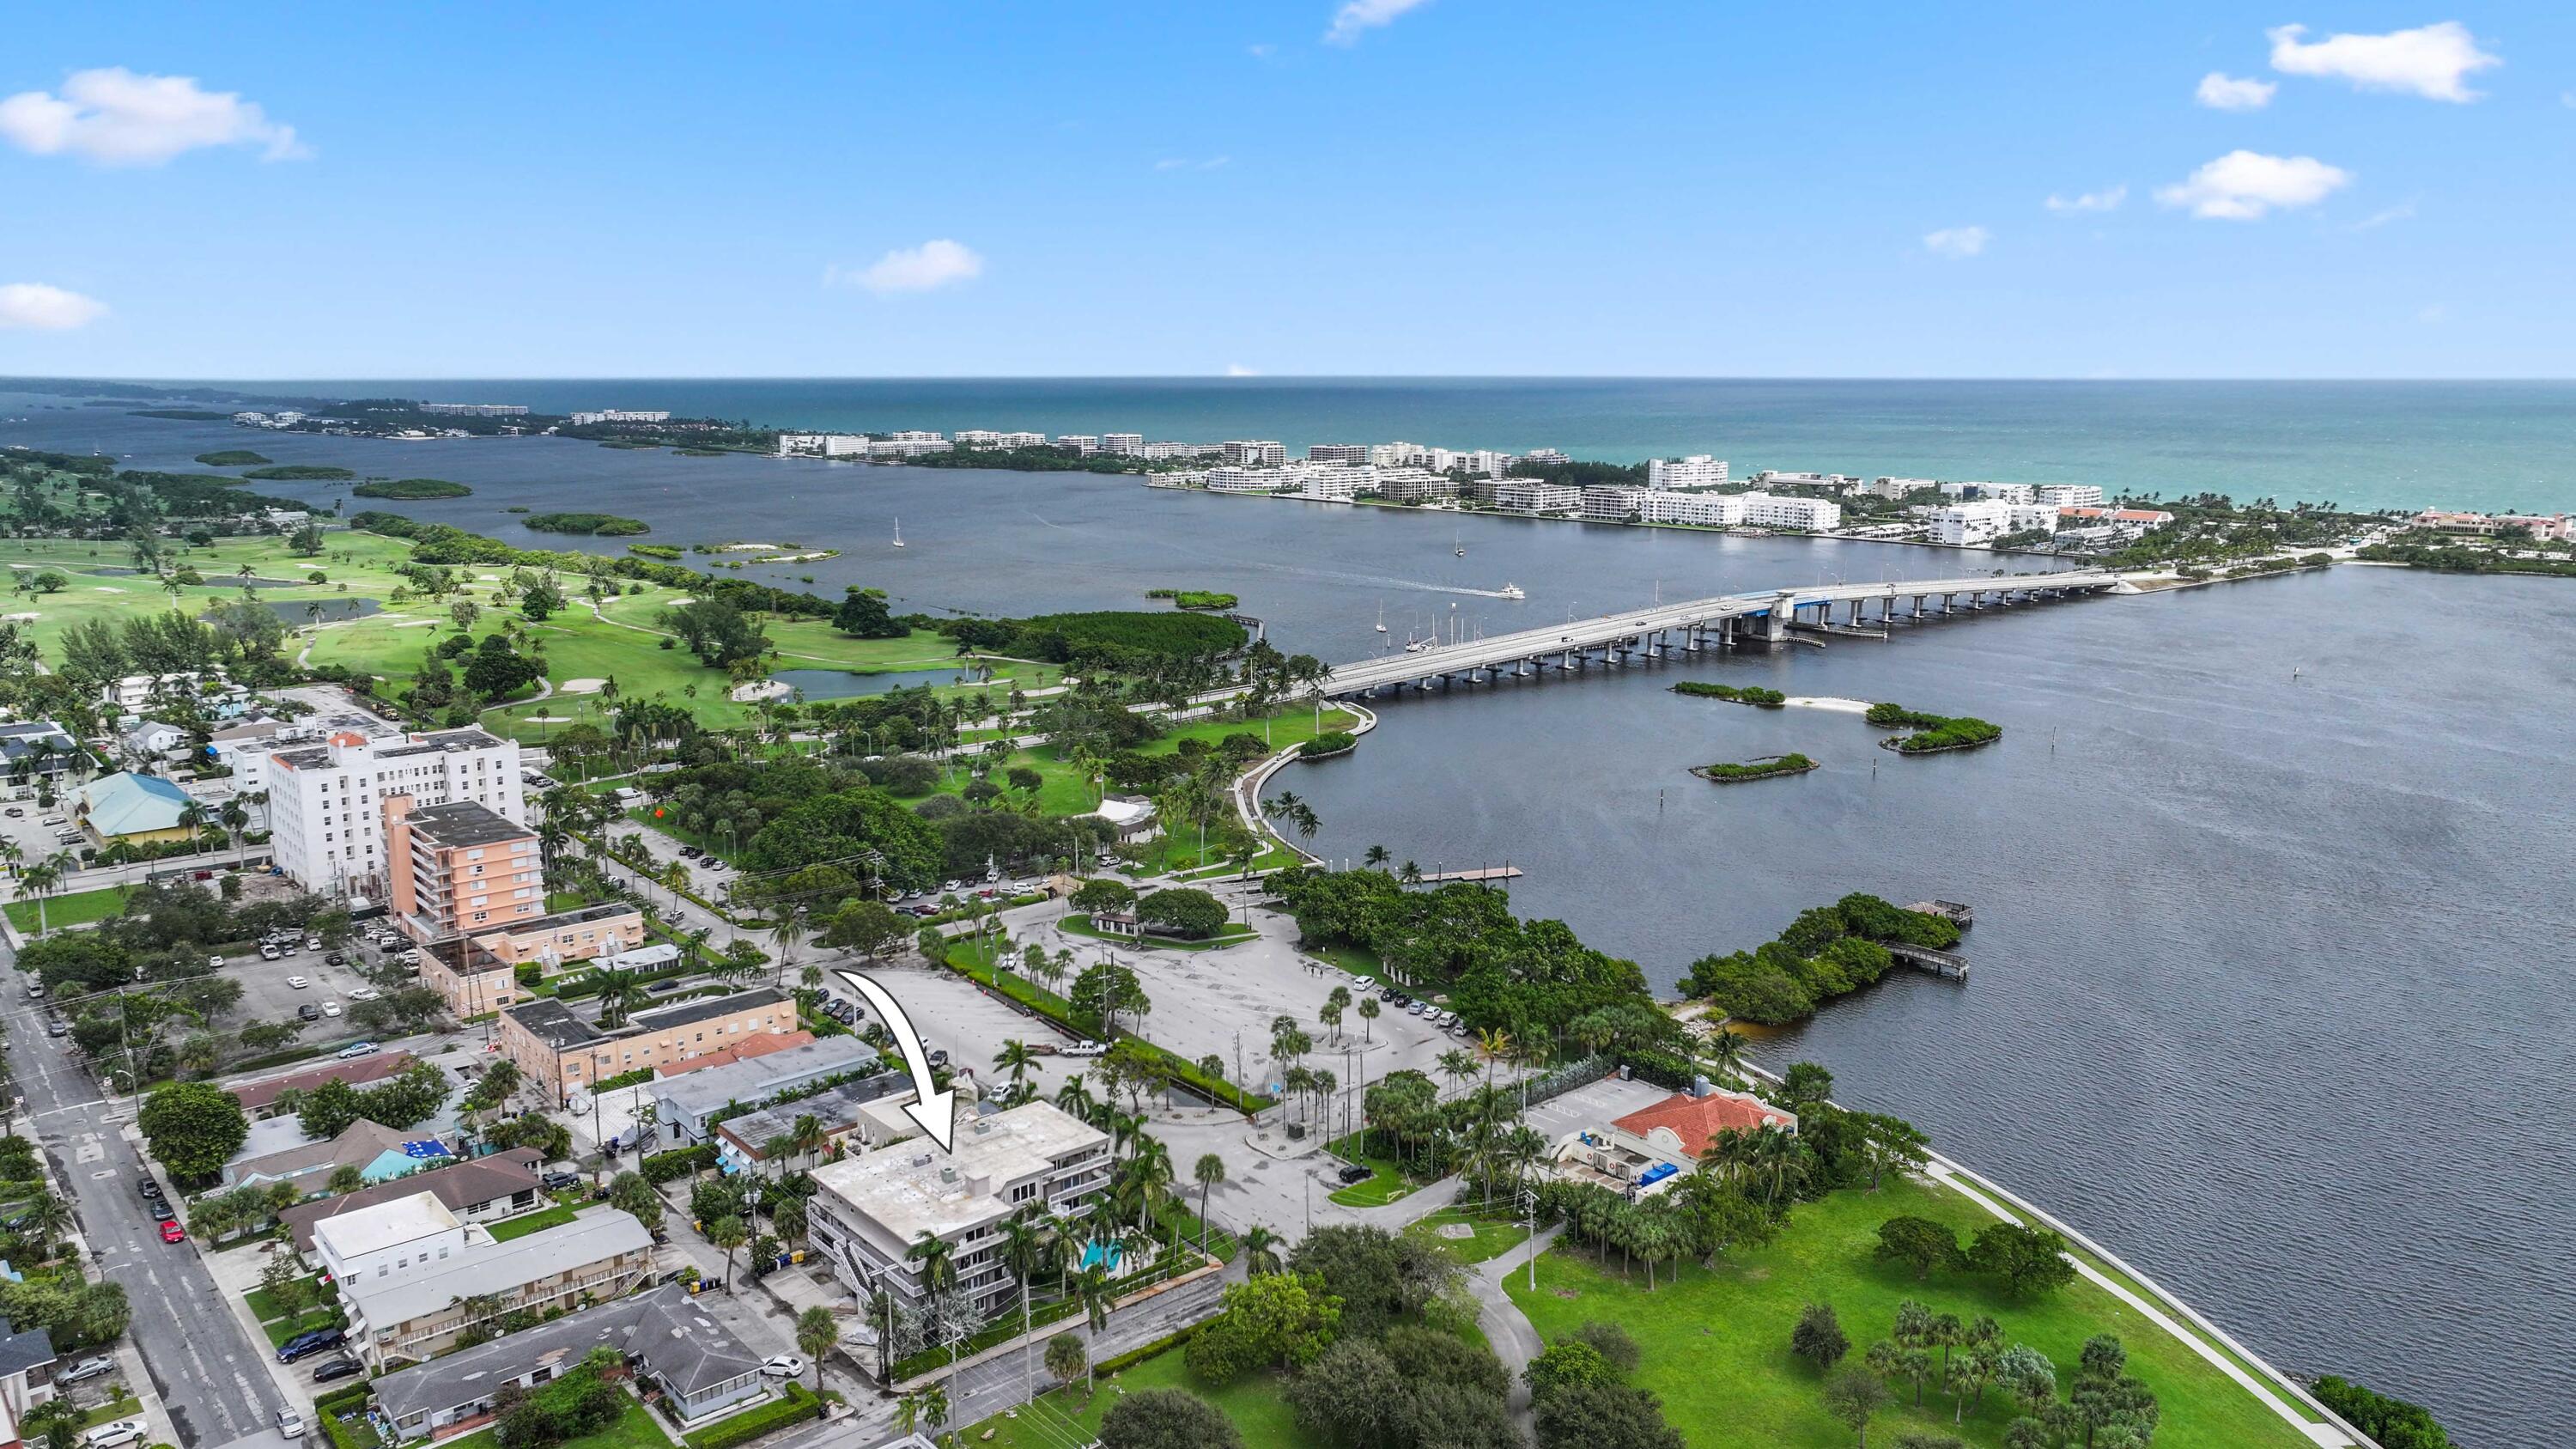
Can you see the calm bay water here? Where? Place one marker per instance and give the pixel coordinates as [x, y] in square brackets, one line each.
[2267, 989]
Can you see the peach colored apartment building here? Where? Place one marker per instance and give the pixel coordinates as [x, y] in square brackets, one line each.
[460, 869]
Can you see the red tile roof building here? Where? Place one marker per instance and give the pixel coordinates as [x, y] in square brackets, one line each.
[1684, 1124]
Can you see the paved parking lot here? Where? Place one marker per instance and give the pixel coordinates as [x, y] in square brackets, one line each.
[267, 997]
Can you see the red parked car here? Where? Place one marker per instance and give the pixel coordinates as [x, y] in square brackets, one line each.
[173, 1233]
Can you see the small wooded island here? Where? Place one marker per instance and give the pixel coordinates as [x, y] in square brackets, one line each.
[1727, 773]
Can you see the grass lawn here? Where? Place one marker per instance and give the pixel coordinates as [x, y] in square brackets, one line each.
[1494, 1236]
[1066, 793]
[265, 1308]
[633, 1429]
[123, 1404]
[1253, 1403]
[77, 909]
[1716, 1343]
[1386, 1182]
[520, 1227]
[1357, 960]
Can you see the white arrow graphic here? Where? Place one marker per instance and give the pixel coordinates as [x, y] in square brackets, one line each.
[936, 1111]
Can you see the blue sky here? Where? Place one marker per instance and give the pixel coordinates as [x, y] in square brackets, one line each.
[1293, 186]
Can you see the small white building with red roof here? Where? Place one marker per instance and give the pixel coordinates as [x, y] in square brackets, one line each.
[1647, 1149]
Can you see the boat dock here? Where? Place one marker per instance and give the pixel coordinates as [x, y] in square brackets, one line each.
[1947, 965]
[1481, 873]
[1954, 912]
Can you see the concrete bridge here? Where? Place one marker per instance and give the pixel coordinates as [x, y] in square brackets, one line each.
[1700, 625]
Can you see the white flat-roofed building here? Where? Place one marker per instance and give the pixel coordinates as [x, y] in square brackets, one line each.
[869, 1210]
[1085, 444]
[1256, 454]
[822, 445]
[2069, 495]
[1611, 503]
[1400, 455]
[1961, 525]
[1123, 444]
[1984, 492]
[1337, 483]
[477, 410]
[1337, 452]
[1165, 451]
[388, 1237]
[1412, 485]
[978, 438]
[916, 436]
[326, 801]
[1893, 489]
[619, 415]
[1476, 463]
[1700, 510]
[1232, 478]
[1699, 470]
[1813, 515]
[1531, 495]
[1023, 440]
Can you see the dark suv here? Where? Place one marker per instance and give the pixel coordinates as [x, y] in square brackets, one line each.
[304, 1345]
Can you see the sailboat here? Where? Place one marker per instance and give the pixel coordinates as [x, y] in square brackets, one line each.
[1458, 544]
[898, 533]
[1381, 616]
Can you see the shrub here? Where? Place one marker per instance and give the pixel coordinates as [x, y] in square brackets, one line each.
[410, 488]
[1330, 742]
[799, 1406]
[1183, 912]
[607, 525]
[663, 1167]
[1739, 694]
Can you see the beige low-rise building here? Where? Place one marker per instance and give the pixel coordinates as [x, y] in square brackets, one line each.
[564, 1051]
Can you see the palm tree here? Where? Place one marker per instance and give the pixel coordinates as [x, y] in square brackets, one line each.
[1073, 1098]
[934, 1408]
[937, 1262]
[817, 1333]
[726, 1234]
[194, 817]
[1369, 1010]
[1066, 1356]
[1457, 1064]
[1207, 1172]
[1091, 1288]
[1016, 1059]
[1726, 1052]
[807, 1137]
[1260, 1250]
[620, 992]
[1031, 1246]
[789, 933]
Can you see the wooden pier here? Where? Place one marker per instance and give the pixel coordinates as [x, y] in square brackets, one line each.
[1954, 912]
[1481, 873]
[1948, 965]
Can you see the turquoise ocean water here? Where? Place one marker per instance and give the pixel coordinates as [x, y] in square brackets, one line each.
[2361, 444]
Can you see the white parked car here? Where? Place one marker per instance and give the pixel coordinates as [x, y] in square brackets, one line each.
[290, 1423]
[355, 1050]
[114, 1432]
[214, 963]
[1086, 1048]
[364, 993]
[298, 982]
[784, 1366]
[330, 1008]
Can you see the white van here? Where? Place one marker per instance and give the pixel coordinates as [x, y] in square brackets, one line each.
[113, 1433]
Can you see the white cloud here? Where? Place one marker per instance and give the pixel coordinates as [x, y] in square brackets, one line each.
[2247, 185]
[2223, 92]
[2428, 61]
[2106, 199]
[1237, 369]
[35, 306]
[117, 118]
[2403, 211]
[931, 265]
[1359, 17]
[1956, 242]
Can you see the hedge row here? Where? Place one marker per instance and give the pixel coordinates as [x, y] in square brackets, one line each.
[662, 1167]
[799, 1406]
[1054, 1008]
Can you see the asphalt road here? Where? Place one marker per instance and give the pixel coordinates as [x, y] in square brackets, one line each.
[195, 1349]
